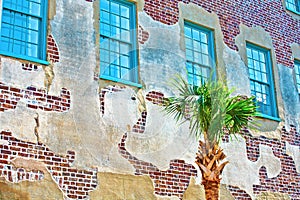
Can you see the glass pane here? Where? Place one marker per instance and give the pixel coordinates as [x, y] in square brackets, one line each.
[255, 55]
[125, 61]
[18, 33]
[188, 43]
[125, 74]
[124, 11]
[190, 79]
[33, 37]
[32, 50]
[125, 35]
[189, 67]
[104, 5]
[197, 70]
[205, 60]
[115, 32]
[124, 48]
[189, 55]
[104, 17]
[204, 48]
[187, 32]
[115, 20]
[4, 44]
[33, 23]
[105, 29]
[115, 8]
[35, 8]
[114, 71]
[262, 57]
[204, 38]
[104, 56]
[249, 53]
[197, 57]
[196, 45]
[20, 20]
[196, 35]
[125, 23]
[104, 43]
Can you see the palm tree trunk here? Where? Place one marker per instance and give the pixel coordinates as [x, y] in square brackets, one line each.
[212, 189]
[209, 163]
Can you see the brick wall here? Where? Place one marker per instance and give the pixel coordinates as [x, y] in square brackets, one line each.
[288, 180]
[34, 98]
[52, 55]
[172, 182]
[270, 15]
[75, 183]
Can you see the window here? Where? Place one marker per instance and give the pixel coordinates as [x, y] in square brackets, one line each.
[261, 80]
[293, 5]
[118, 56]
[297, 70]
[23, 29]
[199, 53]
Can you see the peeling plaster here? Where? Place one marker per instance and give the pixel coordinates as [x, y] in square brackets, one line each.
[244, 173]
[294, 152]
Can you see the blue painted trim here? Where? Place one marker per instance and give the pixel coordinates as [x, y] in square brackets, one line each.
[270, 79]
[269, 117]
[31, 59]
[120, 81]
[294, 11]
[42, 41]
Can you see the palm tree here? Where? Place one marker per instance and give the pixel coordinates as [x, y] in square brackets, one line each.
[212, 112]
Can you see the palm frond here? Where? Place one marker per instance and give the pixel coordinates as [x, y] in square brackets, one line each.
[209, 109]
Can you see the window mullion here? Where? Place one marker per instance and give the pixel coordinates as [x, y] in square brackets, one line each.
[21, 12]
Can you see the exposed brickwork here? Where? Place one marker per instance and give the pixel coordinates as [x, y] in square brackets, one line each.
[283, 28]
[29, 67]
[52, 55]
[140, 126]
[238, 193]
[156, 98]
[16, 175]
[172, 182]
[288, 180]
[143, 35]
[52, 49]
[34, 99]
[75, 183]
[102, 93]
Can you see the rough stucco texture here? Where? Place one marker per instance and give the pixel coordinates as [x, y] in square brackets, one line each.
[232, 13]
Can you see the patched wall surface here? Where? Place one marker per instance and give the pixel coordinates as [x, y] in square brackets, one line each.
[65, 133]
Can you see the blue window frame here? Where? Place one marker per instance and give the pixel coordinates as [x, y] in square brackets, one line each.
[23, 29]
[297, 72]
[293, 5]
[199, 51]
[261, 80]
[118, 52]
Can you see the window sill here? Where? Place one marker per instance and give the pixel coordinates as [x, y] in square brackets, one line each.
[121, 81]
[293, 11]
[269, 117]
[27, 58]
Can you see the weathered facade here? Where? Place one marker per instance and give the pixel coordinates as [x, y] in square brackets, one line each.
[74, 127]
